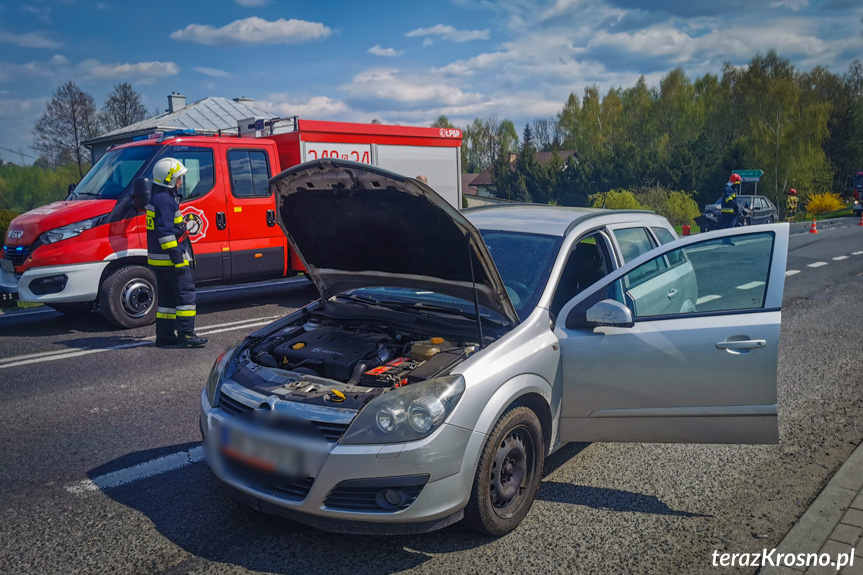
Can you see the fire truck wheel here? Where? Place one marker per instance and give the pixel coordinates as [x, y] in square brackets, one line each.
[128, 297]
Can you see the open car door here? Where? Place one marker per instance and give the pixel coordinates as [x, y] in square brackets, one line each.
[679, 345]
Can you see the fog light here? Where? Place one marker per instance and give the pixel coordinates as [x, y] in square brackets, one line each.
[49, 285]
[390, 498]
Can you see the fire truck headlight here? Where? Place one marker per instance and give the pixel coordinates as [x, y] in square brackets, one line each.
[70, 231]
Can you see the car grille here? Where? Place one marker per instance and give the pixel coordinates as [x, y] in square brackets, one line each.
[19, 256]
[331, 431]
[295, 490]
[290, 489]
[352, 495]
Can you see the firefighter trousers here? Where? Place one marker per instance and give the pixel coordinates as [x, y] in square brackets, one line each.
[176, 301]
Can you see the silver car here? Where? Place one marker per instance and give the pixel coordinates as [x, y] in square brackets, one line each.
[450, 353]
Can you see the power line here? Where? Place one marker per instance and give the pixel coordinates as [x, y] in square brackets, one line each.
[16, 152]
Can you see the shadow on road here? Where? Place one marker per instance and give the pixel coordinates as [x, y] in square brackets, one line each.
[189, 509]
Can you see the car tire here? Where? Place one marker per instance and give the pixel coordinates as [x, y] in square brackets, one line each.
[128, 297]
[770, 220]
[72, 308]
[514, 452]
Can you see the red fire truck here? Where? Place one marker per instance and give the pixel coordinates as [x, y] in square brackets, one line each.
[90, 250]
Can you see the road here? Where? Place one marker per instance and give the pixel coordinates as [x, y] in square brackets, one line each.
[79, 401]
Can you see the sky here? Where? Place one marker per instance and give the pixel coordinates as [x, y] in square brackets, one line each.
[400, 62]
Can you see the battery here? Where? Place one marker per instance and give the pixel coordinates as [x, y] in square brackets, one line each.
[391, 374]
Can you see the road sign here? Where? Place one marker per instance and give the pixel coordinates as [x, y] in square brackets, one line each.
[749, 175]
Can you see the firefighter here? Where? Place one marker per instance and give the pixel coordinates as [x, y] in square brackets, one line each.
[791, 203]
[169, 252]
[730, 209]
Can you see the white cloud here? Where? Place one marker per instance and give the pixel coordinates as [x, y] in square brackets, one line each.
[447, 32]
[254, 31]
[215, 72]
[386, 84]
[141, 70]
[794, 5]
[252, 3]
[377, 50]
[320, 107]
[29, 40]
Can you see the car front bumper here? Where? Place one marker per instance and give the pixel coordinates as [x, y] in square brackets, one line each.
[80, 282]
[448, 457]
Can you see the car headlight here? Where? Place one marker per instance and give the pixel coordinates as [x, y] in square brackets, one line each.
[70, 231]
[218, 371]
[408, 413]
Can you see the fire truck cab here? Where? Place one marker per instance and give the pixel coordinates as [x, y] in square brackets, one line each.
[90, 250]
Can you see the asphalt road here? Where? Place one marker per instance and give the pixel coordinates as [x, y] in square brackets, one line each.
[79, 401]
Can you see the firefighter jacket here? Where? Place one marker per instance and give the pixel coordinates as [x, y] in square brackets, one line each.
[168, 242]
[729, 200]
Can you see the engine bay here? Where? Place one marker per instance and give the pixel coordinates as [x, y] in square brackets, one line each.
[328, 361]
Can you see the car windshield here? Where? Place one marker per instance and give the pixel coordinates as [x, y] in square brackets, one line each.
[858, 182]
[523, 260]
[113, 173]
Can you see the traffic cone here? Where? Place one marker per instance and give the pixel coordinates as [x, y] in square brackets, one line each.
[860, 223]
[814, 228]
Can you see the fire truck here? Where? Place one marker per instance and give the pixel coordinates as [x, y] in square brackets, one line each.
[857, 194]
[90, 250]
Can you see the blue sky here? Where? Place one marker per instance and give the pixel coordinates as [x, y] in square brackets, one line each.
[401, 62]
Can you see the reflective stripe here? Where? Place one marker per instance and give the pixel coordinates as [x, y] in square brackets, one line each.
[186, 313]
[178, 219]
[163, 263]
[727, 211]
[168, 238]
[186, 307]
[160, 315]
[151, 213]
[181, 264]
[153, 256]
[169, 245]
[166, 310]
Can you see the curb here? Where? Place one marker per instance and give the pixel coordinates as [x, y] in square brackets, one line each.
[816, 525]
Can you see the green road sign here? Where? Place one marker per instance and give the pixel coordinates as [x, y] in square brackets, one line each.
[749, 175]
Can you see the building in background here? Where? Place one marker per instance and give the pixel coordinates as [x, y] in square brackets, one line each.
[210, 116]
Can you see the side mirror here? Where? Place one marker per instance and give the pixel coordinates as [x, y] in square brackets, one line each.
[70, 192]
[141, 194]
[609, 312]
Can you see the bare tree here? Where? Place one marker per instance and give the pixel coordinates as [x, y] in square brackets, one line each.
[122, 108]
[69, 119]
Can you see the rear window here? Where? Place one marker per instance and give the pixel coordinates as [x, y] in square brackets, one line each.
[663, 235]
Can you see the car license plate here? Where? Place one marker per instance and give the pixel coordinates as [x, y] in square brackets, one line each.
[7, 266]
[260, 453]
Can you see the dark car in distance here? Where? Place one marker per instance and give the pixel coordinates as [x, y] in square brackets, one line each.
[761, 211]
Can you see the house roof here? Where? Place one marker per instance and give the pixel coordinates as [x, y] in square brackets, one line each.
[209, 115]
[485, 177]
[467, 184]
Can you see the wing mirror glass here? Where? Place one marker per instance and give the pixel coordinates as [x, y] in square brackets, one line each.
[141, 194]
[609, 312]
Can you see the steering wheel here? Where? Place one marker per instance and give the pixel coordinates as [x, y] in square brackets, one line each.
[521, 291]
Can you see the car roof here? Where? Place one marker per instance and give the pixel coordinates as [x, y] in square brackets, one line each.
[537, 218]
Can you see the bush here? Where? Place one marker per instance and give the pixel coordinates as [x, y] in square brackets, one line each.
[823, 203]
[679, 208]
[6, 216]
[616, 200]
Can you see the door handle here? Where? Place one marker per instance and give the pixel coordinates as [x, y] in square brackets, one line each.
[271, 218]
[221, 220]
[672, 293]
[745, 344]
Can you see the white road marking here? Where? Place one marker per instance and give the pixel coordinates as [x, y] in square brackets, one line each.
[750, 285]
[791, 272]
[137, 472]
[707, 298]
[856, 253]
[28, 312]
[840, 258]
[817, 264]
[64, 354]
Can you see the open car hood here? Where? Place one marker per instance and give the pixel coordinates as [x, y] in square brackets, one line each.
[354, 226]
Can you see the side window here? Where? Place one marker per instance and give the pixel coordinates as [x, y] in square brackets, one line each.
[663, 235]
[715, 276]
[588, 262]
[200, 162]
[633, 242]
[250, 172]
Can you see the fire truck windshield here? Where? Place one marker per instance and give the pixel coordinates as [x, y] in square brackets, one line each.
[113, 173]
[858, 182]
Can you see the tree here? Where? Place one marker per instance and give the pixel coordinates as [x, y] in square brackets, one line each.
[122, 108]
[69, 119]
[442, 122]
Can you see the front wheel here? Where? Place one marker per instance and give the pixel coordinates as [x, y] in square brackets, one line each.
[128, 297]
[508, 474]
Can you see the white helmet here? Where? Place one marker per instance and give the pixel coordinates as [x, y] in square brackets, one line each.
[167, 170]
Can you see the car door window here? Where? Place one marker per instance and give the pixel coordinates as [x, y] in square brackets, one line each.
[588, 262]
[249, 172]
[633, 242]
[719, 275]
[663, 235]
